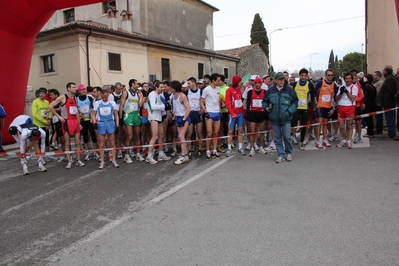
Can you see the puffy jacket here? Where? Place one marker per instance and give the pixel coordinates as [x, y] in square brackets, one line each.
[388, 91]
[284, 104]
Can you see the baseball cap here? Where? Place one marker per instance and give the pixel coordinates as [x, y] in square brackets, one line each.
[201, 81]
[279, 75]
[185, 85]
[265, 76]
[253, 77]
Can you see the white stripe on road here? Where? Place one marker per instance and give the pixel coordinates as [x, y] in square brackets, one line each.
[74, 247]
[187, 182]
[42, 196]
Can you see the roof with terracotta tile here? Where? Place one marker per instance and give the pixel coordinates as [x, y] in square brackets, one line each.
[236, 52]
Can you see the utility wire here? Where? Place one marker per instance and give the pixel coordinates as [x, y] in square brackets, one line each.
[294, 27]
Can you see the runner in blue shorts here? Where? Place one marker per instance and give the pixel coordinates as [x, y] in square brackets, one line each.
[210, 103]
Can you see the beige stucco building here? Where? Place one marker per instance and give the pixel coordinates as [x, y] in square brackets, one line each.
[382, 34]
[117, 46]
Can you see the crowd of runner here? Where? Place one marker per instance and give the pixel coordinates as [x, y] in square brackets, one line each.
[136, 121]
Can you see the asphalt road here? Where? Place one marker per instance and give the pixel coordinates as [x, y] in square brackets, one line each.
[327, 207]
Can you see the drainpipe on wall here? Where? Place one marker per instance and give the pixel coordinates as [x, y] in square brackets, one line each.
[210, 64]
[88, 57]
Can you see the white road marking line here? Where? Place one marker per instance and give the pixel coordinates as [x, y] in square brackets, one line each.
[187, 182]
[42, 196]
[74, 246]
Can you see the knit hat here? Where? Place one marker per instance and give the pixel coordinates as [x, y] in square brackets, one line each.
[81, 87]
[258, 80]
[236, 80]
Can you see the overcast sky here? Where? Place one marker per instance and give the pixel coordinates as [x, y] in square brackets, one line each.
[292, 47]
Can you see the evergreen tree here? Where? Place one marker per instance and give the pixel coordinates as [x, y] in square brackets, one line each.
[259, 34]
[338, 72]
[331, 63]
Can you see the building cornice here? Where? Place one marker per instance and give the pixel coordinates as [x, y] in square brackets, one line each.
[102, 29]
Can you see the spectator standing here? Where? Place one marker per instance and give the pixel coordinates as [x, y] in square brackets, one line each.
[281, 103]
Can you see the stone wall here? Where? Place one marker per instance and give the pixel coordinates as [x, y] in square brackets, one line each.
[253, 61]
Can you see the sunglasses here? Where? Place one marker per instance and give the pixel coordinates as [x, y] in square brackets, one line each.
[330, 75]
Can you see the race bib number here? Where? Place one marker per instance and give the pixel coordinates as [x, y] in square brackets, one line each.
[84, 109]
[55, 119]
[257, 103]
[134, 107]
[43, 112]
[73, 110]
[301, 102]
[326, 98]
[105, 111]
[145, 105]
[238, 103]
[194, 103]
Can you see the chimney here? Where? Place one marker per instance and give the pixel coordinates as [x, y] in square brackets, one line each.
[111, 15]
[126, 20]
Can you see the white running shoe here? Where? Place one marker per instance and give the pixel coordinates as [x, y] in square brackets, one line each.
[326, 144]
[42, 168]
[119, 154]
[252, 153]
[319, 145]
[69, 165]
[102, 166]
[289, 158]
[179, 160]
[272, 146]
[88, 157]
[127, 158]
[341, 144]
[280, 160]
[151, 160]
[256, 146]
[80, 163]
[140, 157]
[262, 150]
[115, 164]
[164, 158]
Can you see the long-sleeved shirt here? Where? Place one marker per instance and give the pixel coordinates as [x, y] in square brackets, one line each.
[39, 116]
[234, 101]
[155, 106]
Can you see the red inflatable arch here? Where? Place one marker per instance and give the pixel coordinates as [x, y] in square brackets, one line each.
[20, 22]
